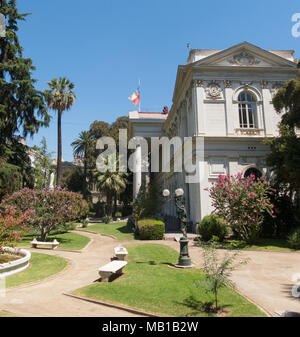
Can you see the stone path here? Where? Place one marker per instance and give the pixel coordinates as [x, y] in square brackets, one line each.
[46, 297]
[266, 280]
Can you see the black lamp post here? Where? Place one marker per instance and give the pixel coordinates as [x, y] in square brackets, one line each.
[184, 258]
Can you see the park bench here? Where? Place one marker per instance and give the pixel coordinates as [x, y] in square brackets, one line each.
[121, 253]
[114, 267]
[53, 244]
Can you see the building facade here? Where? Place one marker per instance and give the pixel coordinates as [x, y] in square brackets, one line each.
[223, 99]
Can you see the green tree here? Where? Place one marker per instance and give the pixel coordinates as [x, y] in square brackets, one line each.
[60, 97]
[42, 165]
[284, 158]
[83, 146]
[218, 270]
[73, 179]
[22, 107]
[111, 183]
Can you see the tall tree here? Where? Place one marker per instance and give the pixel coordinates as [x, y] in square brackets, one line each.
[22, 107]
[60, 97]
[83, 146]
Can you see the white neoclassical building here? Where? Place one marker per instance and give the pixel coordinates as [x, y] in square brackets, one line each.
[223, 98]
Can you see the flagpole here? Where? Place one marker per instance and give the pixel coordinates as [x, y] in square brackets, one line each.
[140, 95]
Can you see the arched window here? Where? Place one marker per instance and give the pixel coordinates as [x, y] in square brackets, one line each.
[247, 110]
[253, 171]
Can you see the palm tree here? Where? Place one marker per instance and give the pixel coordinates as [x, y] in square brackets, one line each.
[60, 97]
[111, 183]
[83, 146]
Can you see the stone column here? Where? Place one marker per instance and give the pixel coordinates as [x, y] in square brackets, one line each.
[137, 175]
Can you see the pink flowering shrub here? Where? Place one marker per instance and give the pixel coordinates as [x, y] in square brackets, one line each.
[12, 227]
[52, 208]
[242, 202]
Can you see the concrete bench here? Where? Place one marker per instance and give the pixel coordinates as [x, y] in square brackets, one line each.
[53, 244]
[114, 267]
[121, 253]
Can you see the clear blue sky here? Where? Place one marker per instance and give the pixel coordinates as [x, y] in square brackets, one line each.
[104, 46]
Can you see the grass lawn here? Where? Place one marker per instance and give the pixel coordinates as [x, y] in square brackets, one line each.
[42, 266]
[151, 284]
[262, 244]
[68, 241]
[119, 230]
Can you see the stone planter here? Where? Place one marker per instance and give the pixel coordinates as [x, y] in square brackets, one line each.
[16, 266]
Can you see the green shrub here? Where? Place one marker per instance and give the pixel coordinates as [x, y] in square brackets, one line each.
[294, 239]
[150, 229]
[118, 215]
[106, 219]
[84, 223]
[211, 226]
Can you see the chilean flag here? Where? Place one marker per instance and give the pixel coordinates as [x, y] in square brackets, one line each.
[135, 98]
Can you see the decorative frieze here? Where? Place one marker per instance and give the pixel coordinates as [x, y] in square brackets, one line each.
[244, 59]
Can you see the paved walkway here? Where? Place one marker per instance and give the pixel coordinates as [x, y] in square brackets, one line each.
[46, 297]
[266, 280]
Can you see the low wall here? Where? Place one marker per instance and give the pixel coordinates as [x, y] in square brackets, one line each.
[14, 267]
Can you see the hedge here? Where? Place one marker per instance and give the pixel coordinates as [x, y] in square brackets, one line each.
[150, 229]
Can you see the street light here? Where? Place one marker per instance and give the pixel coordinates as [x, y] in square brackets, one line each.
[184, 258]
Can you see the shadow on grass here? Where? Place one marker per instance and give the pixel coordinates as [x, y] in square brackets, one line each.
[124, 230]
[153, 263]
[198, 307]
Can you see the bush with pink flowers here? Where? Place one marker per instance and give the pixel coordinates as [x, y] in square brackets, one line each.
[12, 227]
[51, 208]
[242, 202]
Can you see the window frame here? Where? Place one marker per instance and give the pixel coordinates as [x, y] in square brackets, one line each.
[247, 110]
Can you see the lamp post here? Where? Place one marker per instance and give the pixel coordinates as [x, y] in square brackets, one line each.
[184, 258]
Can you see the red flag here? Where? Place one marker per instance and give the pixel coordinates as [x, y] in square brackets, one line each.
[135, 98]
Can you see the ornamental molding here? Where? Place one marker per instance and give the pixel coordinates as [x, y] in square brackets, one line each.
[246, 84]
[243, 59]
[197, 83]
[228, 84]
[213, 90]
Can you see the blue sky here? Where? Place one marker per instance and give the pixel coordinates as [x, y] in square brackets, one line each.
[105, 46]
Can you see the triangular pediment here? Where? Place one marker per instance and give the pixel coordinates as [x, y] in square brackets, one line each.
[245, 55]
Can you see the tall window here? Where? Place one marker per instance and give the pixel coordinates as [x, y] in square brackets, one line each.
[247, 110]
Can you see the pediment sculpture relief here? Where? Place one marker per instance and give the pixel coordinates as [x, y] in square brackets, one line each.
[243, 59]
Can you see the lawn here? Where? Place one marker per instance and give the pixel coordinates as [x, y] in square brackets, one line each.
[42, 266]
[119, 230]
[68, 241]
[151, 284]
[261, 244]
